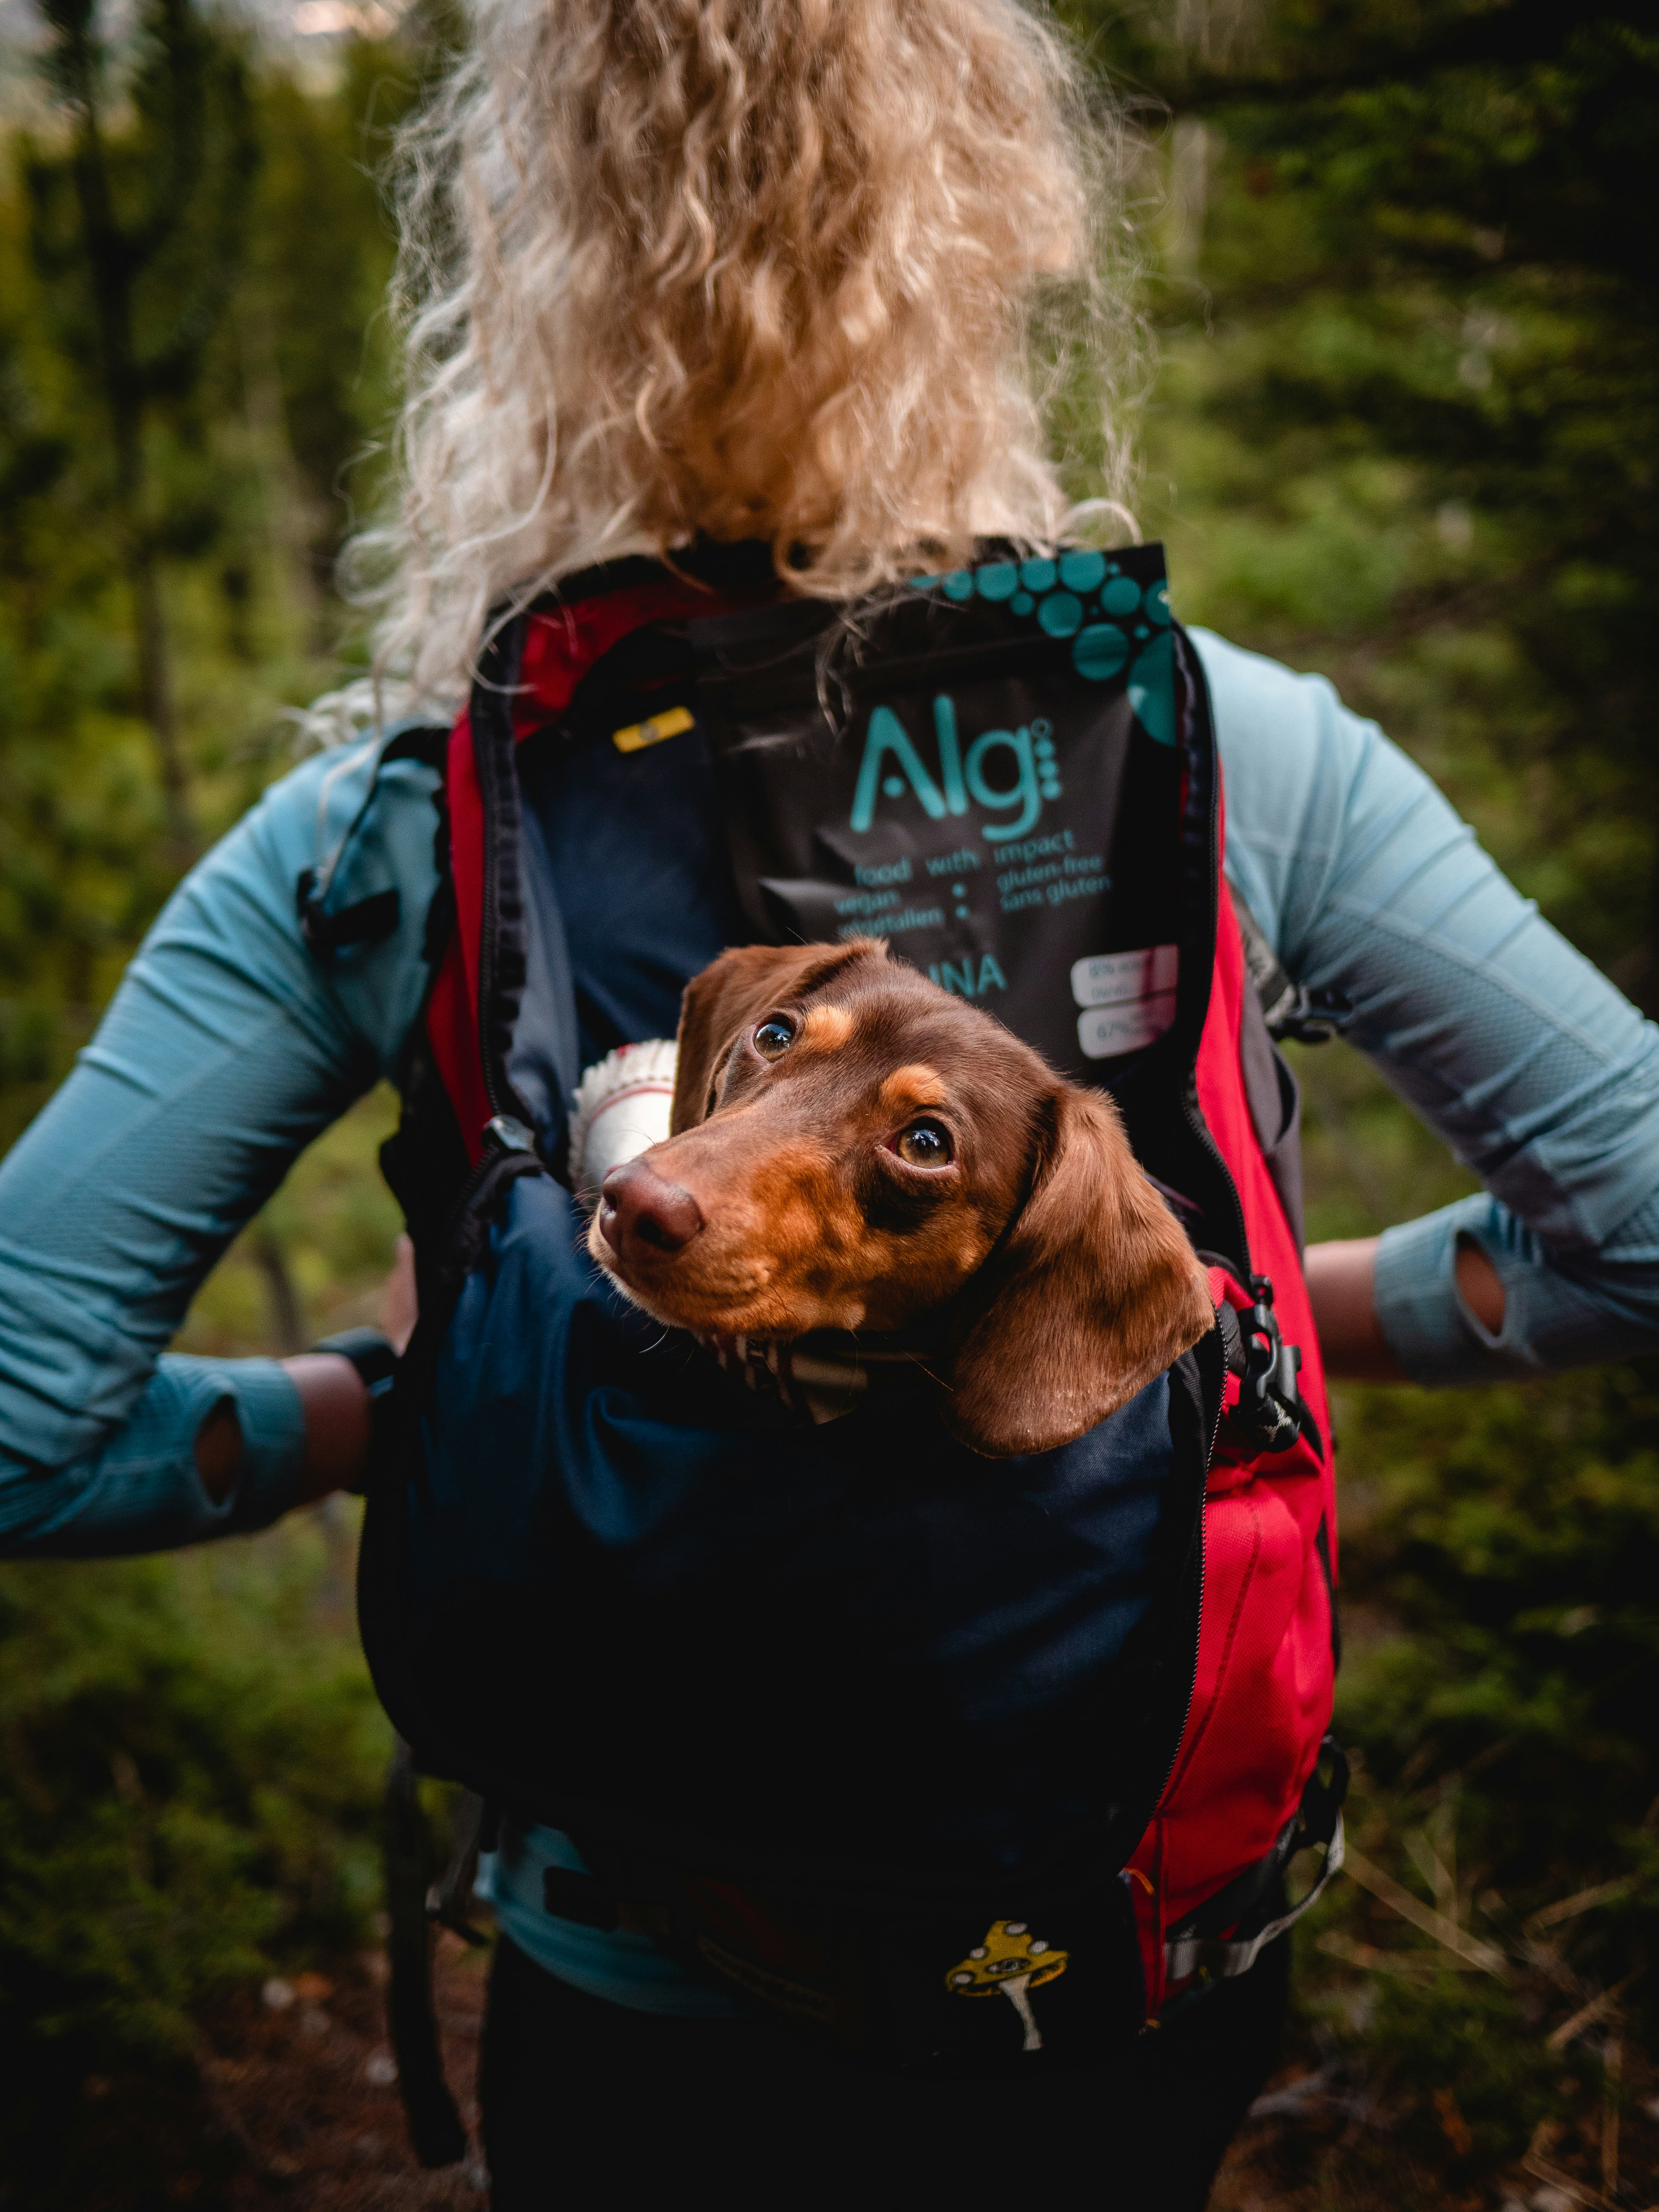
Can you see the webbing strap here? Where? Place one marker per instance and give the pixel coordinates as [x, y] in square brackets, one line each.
[435, 2125]
[1290, 1010]
[1221, 1935]
[1184, 1955]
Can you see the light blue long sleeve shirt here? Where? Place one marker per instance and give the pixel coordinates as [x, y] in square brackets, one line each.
[228, 1048]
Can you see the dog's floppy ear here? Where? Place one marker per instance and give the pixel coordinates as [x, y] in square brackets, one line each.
[1095, 1291]
[735, 990]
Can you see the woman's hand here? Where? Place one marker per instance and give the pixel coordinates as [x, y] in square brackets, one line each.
[337, 1428]
[332, 1398]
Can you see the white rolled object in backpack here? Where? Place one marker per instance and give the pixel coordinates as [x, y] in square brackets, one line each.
[622, 1106]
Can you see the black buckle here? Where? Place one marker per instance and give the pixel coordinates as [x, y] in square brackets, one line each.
[568, 1895]
[1270, 1410]
[1310, 1017]
[367, 921]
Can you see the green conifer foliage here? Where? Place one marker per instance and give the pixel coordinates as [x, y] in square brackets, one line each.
[138, 243]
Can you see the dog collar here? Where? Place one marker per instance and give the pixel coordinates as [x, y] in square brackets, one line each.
[827, 1374]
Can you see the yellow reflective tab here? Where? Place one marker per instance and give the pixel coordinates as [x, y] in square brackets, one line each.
[638, 735]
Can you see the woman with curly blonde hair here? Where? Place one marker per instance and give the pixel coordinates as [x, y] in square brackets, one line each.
[802, 273]
[782, 300]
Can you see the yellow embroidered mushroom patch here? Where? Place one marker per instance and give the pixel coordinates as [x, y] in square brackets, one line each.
[1014, 1962]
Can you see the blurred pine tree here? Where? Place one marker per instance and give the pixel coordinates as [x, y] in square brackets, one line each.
[137, 242]
[1431, 244]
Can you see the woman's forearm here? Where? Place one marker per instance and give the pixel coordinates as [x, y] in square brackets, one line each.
[336, 1414]
[1341, 1283]
[332, 1399]
[336, 1427]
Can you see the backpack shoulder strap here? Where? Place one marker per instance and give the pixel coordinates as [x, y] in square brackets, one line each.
[1290, 1010]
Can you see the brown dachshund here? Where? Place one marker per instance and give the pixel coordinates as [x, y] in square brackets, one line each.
[855, 1149]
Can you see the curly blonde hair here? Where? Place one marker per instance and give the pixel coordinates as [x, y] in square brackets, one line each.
[809, 270]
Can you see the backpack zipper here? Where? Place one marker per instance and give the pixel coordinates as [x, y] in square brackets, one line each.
[744, 692]
[505, 1137]
[1198, 1610]
[1199, 1128]
[492, 747]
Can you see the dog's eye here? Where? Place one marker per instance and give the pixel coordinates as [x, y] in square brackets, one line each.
[924, 1145]
[774, 1038]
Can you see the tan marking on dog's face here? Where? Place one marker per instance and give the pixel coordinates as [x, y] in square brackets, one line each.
[783, 1248]
[907, 1089]
[829, 1026]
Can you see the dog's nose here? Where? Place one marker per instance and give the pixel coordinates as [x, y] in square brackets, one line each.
[635, 1205]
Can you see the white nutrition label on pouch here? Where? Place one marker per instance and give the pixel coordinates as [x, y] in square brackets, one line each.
[1128, 999]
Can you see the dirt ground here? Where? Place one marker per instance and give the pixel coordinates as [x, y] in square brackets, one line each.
[305, 2101]
[301, 2077]
[1319, 2143]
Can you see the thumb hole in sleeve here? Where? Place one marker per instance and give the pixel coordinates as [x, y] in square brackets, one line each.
[219, 1451]
[1479, 1285]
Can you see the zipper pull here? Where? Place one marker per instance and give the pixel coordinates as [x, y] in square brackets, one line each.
[508, 1135]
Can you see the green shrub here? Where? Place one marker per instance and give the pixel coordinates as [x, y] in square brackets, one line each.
[190, 1762]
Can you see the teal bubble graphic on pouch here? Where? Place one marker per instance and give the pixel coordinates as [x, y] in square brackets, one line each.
[1099, 652]
[1139, 639]
[1151, 688]
[1061, 615]
[1082, 572]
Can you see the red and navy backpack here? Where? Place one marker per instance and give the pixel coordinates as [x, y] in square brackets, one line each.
[863, 1728]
